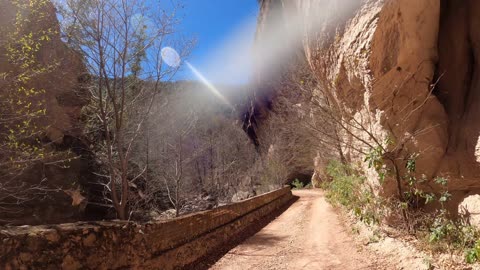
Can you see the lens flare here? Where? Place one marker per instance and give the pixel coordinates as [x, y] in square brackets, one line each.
[262, 47]
[171, 57]
[208, 84]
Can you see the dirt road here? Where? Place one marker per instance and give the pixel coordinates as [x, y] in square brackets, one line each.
[308, 235]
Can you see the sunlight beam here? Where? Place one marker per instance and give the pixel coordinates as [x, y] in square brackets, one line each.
[208, 84]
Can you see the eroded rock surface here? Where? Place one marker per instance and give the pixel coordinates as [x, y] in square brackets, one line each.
[409, 69]
[61, 128]
[65, 95]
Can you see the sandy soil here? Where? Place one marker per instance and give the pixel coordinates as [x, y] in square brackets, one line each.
[308, 235]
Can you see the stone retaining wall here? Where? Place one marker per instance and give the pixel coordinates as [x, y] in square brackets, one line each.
[127, 245]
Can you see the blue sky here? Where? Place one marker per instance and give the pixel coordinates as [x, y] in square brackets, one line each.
[213, 22]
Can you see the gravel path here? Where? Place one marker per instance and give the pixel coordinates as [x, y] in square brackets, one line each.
[308, 235]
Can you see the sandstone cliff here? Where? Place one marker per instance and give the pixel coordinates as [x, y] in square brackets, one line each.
[60, 129]
[408, 68]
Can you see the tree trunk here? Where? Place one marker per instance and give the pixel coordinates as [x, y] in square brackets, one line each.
[121, 212]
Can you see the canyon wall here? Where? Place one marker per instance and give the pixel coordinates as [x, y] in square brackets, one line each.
[409, 70]
[60, 129]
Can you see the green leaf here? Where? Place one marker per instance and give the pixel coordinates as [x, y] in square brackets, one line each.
[429, 198]
[445, 197]
[441, 181]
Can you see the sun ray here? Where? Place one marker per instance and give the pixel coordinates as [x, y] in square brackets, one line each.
[208, 84]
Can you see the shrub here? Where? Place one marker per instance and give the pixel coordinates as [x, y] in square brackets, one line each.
[450, 235]
[297, 184]
[347, 188]
[473, 254]
[343, 187]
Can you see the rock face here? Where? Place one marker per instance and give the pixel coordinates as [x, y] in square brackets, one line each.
[64, 93]
[459, 90]
[409, 68]
[61, 127]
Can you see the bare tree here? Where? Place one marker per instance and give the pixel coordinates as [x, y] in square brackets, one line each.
[235, 157]
[122, 42]
[197, 153]
[175, 159]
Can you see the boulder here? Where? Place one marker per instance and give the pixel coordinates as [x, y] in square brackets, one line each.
[470, 208]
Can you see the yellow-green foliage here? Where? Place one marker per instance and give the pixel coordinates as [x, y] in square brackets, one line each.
[297, 184]
[22, 104]
[347, 188]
